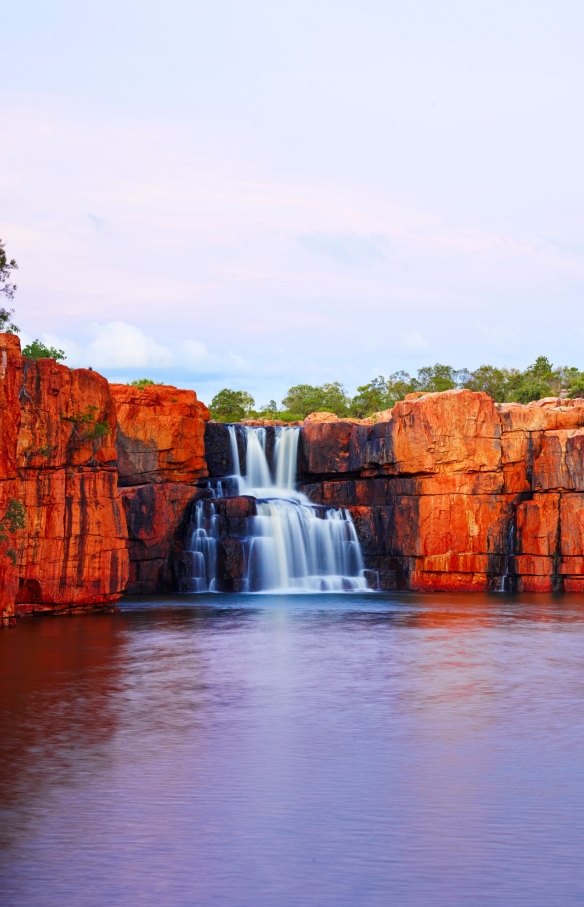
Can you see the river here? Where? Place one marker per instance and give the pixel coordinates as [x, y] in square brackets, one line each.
[295, 751]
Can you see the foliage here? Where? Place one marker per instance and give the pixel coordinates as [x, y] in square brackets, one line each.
[304, 399]
[380, 394]
[93, 429]
[438, 378]
[271, 410]
[38, 350]
[7, 289]
[231, 406]
[141, 383]
[6, 325]
[11, 522]
[541, 379]
[491, 380]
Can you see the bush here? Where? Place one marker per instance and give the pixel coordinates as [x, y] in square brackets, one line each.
[11, 522]
[141, 383]
[38, 350]
[231, 406]
[306, 399]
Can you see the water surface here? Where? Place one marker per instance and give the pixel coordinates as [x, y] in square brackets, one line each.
[278, 751]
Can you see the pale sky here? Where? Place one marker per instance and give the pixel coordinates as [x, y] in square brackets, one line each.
[260, 194]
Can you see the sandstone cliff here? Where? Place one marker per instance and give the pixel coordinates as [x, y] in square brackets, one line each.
[160, 435]
[447, 491]
[57, 466]
[451, 491]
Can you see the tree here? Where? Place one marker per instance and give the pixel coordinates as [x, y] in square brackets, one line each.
[380, 394]
[11, 522]
[303, 399]
[438, 378]
[38, 350]
[491, 380]
[141, 383]
[575, 386]
[6, 266]
[271, 410]
[535, 382]
[231, 406]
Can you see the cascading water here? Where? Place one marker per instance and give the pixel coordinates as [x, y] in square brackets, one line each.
[291, 545]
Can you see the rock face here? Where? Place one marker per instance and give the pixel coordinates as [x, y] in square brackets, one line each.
[451, 491]
[447, 491]
[160, 435]
[157, 517]
[58, 474]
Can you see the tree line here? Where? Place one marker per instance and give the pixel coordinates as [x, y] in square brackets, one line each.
[541, 379]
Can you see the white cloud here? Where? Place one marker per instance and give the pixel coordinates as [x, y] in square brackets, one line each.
[118, 344]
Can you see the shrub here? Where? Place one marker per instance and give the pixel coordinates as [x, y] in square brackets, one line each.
[38, 350]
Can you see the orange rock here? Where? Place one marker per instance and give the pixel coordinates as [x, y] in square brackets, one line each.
[73, 550]
[454, 432]
[321, 417]
[58, 438]
[537, 525]
[160, 435]
[560, 461]
[572, 525]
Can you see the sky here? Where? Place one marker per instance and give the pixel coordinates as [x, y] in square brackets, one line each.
[259, 194]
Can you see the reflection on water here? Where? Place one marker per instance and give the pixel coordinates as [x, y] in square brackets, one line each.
[314, 750]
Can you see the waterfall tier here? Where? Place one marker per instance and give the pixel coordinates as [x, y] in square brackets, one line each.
[286, 543]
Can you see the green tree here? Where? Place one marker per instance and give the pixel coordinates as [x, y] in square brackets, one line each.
[38, 350]
[437, 378]
[141, 383]
[303, 399]
[271, 410]
[491, 380]
[231, 406]
[535, 382]
[6, 266]
[380, 394]
[11, 522]
[575, 383]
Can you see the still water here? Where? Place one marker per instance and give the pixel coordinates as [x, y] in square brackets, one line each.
[295, 751]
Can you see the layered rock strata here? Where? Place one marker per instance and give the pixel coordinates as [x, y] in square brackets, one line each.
[447, 491]
[63, 539]
[452, 491]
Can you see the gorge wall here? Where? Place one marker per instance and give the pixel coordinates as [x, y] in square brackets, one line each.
[447, 491]
[57, 470]
[452, 491]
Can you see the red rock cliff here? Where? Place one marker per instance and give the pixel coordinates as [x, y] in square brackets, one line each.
[57, 466]
[160, 435]
[452, 491]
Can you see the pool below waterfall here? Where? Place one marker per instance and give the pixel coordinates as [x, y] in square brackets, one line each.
[349, 750]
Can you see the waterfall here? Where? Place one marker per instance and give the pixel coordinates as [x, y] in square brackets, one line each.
[291, 545]
[509, 554]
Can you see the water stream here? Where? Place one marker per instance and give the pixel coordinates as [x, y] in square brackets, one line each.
[290, 545]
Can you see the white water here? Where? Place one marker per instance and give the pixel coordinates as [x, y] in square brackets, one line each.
[292, 545]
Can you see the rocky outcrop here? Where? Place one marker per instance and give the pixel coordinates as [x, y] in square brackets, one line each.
[447, 491]
[64, 536]
[157, 517]
[452, 491]
[160, 435]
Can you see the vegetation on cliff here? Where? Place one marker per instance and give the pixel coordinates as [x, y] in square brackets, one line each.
[504, 385]
[38, 350]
